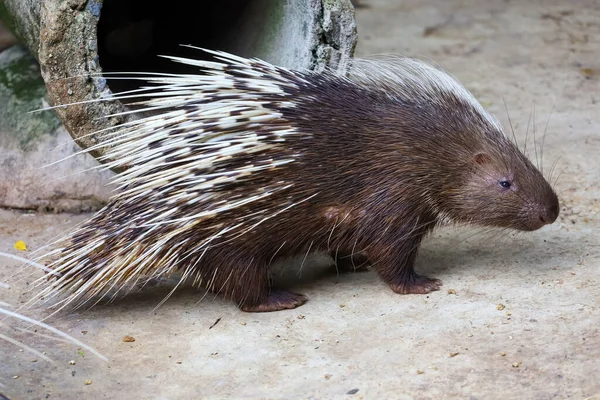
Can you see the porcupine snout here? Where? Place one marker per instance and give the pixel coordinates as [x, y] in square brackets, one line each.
[549, 214]
[544, 212]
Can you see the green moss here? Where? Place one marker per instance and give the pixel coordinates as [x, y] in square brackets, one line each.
[22, 77]
[21, 91]
[5, 16]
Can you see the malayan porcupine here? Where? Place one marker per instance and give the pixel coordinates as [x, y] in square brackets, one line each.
[247, 162]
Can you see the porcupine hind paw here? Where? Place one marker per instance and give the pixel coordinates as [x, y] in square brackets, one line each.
[277, 300]
[416, 284]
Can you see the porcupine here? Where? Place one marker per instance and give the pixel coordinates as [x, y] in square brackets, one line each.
[246, 163]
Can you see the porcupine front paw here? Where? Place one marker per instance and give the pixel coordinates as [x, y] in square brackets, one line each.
[277, 300]
[416, 284]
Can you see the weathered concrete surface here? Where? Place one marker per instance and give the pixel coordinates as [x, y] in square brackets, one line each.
[297, 34]
[355, 335]
[30, 141]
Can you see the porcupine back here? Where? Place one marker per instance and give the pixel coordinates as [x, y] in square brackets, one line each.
[249, 161]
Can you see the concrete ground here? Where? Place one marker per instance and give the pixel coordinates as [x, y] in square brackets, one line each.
[518, 315]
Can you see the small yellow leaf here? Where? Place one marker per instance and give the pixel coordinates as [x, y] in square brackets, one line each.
[20, 245]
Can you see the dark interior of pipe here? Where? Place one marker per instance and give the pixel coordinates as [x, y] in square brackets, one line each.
[132, 33]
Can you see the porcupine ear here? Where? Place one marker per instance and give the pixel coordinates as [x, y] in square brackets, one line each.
[482, 158]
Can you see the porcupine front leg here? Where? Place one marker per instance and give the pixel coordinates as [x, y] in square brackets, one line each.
[395, 261]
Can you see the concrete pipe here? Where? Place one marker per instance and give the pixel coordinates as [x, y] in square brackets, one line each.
[73, 39]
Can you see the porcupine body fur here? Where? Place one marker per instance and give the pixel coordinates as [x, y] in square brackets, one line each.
[246, 163]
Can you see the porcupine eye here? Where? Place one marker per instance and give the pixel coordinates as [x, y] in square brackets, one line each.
[505, 184]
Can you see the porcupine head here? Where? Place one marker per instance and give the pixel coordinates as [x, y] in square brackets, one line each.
[252, 163]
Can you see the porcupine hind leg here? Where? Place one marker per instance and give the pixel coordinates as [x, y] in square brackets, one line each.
[395, 259]
[247, 283]
[276, 300]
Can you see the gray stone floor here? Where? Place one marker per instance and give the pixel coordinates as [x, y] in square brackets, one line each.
[355, 335]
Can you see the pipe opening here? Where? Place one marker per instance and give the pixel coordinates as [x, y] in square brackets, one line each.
[133, 33]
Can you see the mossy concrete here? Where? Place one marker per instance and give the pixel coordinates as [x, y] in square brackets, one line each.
[21, 91]
[31, 139]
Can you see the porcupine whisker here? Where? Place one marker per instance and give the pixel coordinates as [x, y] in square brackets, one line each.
[277, 251]
[552, 169]
[335, 260]
[535, 146]
[332, 229]
[544, 137]
[491, 233]
[304, 260]
[560, 174]
[510, 123]
[352, 254]
[527, 134]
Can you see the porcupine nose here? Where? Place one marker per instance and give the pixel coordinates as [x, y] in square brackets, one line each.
[549, 215]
